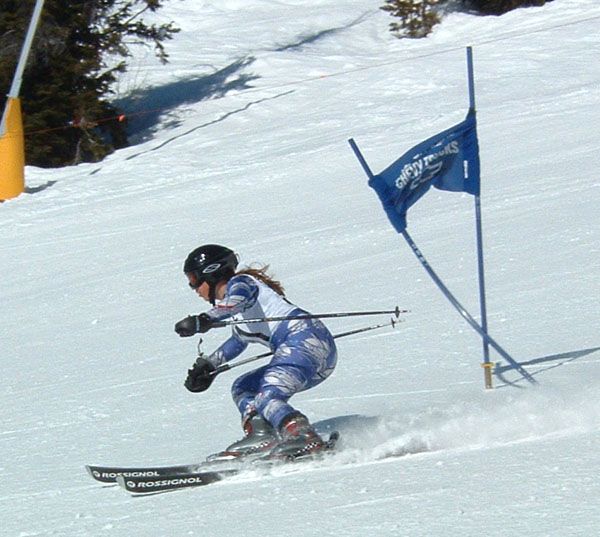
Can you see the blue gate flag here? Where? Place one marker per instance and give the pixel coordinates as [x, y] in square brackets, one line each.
[448, 161]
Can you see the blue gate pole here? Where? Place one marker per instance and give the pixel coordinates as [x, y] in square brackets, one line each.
[486, 337]
[465, 314]
[487, 365]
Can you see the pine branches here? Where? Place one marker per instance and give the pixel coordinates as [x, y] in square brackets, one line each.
[80, 49]
[417, 17]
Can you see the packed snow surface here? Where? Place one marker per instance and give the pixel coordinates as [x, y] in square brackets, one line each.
[242, 140]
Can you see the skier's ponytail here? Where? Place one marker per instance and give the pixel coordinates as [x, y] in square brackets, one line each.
[261, 273]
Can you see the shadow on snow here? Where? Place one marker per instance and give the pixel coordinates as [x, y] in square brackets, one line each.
[549, 362]
[309, 39]
[208, 124]
[144, 108]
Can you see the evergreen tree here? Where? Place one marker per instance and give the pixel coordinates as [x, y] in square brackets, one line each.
[79, 49]
[498, 7]
[417, 17]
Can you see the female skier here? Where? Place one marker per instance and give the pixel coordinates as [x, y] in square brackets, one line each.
[304, 352]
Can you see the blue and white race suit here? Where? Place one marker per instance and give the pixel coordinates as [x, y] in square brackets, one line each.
[304, 351]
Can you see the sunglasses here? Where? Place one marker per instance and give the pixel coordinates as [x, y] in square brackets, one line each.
[194, 283]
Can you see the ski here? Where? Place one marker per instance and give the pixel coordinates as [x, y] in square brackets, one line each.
[109, 474]
[155, 484]
[155, 479]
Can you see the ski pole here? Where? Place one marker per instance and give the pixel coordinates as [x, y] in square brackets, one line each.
[226, 367]
[230, 322]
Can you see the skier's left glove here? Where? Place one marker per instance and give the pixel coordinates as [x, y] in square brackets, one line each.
[193, 324]
[200, 377]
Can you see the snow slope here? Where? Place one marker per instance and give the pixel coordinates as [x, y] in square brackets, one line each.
[242, 141]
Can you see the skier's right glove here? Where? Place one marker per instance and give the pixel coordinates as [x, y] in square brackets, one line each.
[193, 324]
[199, 377]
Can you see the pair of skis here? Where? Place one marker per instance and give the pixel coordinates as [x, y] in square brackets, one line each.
[156, 479]
[148, 480]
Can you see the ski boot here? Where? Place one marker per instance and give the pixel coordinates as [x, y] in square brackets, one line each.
[259, 438]
[298, 439]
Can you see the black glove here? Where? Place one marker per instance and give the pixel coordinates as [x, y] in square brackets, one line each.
[199, 377]
[193, 324]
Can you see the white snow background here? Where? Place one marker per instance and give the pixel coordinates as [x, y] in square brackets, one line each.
[247, 146]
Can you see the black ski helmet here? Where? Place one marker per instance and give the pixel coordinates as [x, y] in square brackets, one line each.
[211, 263]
